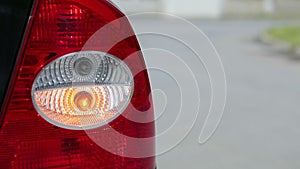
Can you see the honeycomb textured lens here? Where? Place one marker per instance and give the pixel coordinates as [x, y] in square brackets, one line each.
[82, 90]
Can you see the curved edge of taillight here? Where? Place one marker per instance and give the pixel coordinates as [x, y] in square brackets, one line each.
[45, 43]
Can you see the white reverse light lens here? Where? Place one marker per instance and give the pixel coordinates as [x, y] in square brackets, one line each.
[82, 90]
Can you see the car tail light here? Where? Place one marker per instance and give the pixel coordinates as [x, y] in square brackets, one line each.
[59, 90]
[82, 90]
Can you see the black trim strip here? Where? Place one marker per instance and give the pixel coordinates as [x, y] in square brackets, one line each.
[14, 16]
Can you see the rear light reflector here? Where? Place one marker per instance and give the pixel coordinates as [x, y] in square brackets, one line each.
[82, 90]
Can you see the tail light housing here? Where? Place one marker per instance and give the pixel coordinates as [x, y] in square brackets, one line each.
[82, 90]
[59, 90]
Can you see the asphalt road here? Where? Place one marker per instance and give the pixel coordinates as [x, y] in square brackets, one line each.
[260, 128]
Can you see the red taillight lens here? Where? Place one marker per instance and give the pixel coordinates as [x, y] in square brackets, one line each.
[27, 140]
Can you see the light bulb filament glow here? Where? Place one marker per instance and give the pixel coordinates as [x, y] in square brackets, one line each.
[83, 101]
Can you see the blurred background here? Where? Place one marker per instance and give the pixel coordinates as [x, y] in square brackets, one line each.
[213, 8]
[259, 45]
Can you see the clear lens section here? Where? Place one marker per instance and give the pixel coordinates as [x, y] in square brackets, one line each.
[82, 90]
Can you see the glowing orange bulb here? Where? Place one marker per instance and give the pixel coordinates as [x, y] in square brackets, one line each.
[83, 101]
